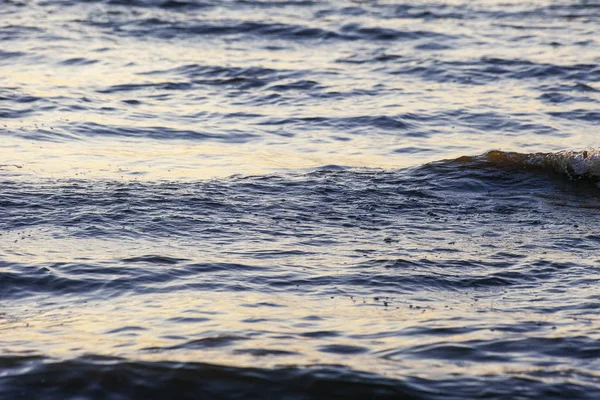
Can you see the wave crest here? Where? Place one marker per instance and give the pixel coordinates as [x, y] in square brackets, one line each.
[584, 164]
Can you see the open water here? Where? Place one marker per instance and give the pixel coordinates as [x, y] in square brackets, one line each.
[232, 199]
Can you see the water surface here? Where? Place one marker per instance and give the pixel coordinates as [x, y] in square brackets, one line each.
[299, 199]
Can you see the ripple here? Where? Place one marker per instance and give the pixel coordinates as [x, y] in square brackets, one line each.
[342, 349]
[204, 343]
[165, 379]
[299, 199]
[92, 129]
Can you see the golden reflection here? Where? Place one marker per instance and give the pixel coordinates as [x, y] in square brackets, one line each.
[157, 160]
[173, 327]
[392, 331]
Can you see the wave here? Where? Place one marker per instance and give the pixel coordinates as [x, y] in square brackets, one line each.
[487, 70]
[99, 377]
[168, 29]
[584, 164]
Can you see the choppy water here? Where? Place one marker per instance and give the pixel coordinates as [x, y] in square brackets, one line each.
[299, 199]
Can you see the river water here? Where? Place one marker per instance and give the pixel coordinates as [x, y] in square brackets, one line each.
[299, 199]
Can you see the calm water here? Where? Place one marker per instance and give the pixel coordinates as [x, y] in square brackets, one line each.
[299, 199]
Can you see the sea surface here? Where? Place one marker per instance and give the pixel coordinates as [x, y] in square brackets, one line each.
[311, 199]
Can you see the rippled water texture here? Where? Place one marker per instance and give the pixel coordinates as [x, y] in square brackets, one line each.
[189, 89]
[299, 199]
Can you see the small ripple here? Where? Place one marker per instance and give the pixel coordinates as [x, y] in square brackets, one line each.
[177, 5]
[558, 98]
[490, 121]
[187, 320]
[382, 122]
[204, 343]
[376, 57]
[78, 61]
[92, 129]
[356, 31]
[126, 330]
[591, 116]
[19, 32]
[487, 70]
[265, 352]
[343, 349]
[464, 352]
[166, 29]
[298, 85]
[6, 55]
[320, 334]
[235, 77]
[166, 86]
[155, 259]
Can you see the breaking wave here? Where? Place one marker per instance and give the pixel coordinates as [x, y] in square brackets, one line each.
[575, 164]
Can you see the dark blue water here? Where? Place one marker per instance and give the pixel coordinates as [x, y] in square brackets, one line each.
[299, 199]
